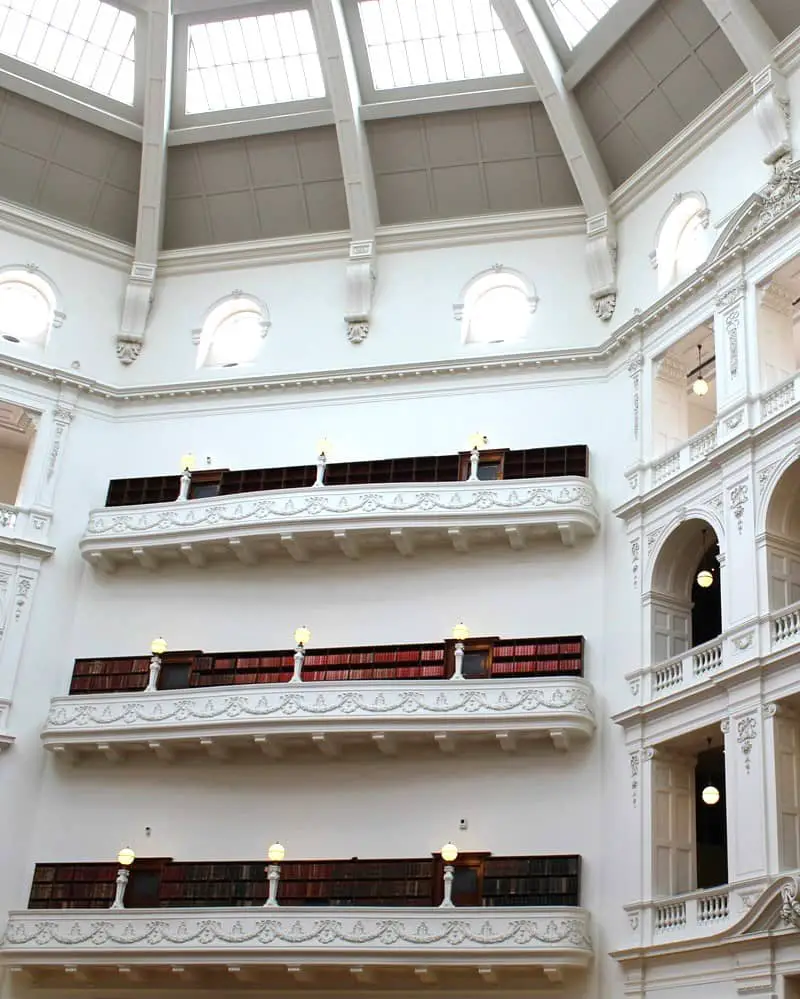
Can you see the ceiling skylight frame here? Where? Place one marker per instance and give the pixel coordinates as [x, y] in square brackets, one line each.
[371, 95]
[290, 110]
[40, 84]
[555, 14]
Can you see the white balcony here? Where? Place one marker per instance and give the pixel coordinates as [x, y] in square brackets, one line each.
[326, 717]
[351, 520]
[280, 948]
[25, 531]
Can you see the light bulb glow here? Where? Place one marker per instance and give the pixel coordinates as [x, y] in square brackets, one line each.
[276, 853]
[705, 578]
[449, 852]
[710, 795]
[477, 441]
[323, 447]
[302, 636]
[460, 632]
[158, 646]
[700, 386]
[126, 857]
[188, 462]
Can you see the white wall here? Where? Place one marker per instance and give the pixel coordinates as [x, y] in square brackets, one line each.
[12, 462]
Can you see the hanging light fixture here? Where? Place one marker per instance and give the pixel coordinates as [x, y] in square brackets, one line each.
[700, 385]
[705, 577]
[710, 794]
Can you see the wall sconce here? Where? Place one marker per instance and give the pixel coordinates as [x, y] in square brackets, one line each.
[157, 649]
[476, 442]
[323, 450]
[302, 636]
[275, 855]
[125, 858]
[188, 463]
[460, 634]
[449, 854]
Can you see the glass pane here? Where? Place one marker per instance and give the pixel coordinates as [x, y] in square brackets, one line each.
[577, 17]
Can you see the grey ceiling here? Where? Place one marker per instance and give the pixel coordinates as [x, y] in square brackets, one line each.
[264, 186]
[65, 167]
[783, 16]
[466, 163]
[672, 64]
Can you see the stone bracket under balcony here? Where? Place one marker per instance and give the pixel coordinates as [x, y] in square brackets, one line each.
[350, 520]
[286, 946]
[326, 717]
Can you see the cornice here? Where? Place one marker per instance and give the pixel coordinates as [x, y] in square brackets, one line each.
[257, 253]
[60, 234]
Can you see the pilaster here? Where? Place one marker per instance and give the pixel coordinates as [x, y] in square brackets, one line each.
[730, 335]
[747, 792]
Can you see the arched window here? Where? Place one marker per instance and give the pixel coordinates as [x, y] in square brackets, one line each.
[27, 307]
[232, 332]
[496, 307]
[682, 242]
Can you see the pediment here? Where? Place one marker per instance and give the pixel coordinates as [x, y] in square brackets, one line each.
[776, 202]
[777, 909]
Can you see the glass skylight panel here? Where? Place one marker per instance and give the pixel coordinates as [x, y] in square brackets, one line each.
[414, 42]
[248, 61]
[575, 18]
[86, 41]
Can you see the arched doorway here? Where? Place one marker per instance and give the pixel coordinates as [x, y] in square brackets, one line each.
[685, 594]
[783, 540]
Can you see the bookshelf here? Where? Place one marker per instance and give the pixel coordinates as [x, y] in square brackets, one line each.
[411, 882]
[494, 657]
[531, 463]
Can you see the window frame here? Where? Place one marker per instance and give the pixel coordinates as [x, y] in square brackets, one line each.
[16, 74]
[180, 120]
[371, 96]
[658, 256]
[34, 278]
[203, 338]
[468, 298]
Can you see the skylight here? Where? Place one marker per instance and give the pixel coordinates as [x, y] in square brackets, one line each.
[575, 18]
[414, 42]
[248, 61]
[85, 41]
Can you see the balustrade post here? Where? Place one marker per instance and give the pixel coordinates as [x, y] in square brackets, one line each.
[155, 670]
[299, 656]
[123, 874]
[458, 657]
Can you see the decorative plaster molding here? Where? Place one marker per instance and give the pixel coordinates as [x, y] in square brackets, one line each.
[730, 296]
[566, 504]
[733, 320]
[604, 306]
[635, 553]
[744, 641]
[128, 349]
[746, 734]
[533, 705]
[738, 496]
[790, 907]
[357, 332]
[635, 366]
[776, 296]
[635, 760]
[553, 933]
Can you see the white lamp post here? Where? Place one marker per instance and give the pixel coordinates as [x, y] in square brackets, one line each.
[323, 449]
[275, 855]
[302, 636]
[476, 442]
[187, 467]
[460, 634]
[449, 854]
[157, 648]
[125, 858]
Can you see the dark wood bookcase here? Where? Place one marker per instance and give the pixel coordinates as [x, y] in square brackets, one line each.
[484, 657]
[159, 882]
[532, 463]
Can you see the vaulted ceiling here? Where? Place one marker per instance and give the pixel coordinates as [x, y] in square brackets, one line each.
[457, 149]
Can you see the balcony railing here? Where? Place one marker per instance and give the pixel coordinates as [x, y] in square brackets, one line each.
[786, 624]
[303, 523]
[678, 673]
[384, 915]
[694, 914]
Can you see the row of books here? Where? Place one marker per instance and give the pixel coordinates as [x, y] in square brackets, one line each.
[501, 650]
[512, 867]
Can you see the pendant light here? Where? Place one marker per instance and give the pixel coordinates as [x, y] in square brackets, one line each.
[710, 793]
[700, 385]
[705, 577]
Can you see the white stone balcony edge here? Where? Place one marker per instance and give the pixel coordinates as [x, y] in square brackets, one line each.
[25, 531]
[556, 937]
[264, 715]
[771, 635]
[284, 519]
[726, 431]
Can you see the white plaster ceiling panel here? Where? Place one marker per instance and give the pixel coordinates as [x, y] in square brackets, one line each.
[260, 187]
[68, 168]
[667, 70]
[466, 163]
[783, 16]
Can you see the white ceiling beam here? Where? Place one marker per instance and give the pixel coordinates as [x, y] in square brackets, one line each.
[754, 42]
[607, 33]
[152, 182]
[339, 69]
[540, 60]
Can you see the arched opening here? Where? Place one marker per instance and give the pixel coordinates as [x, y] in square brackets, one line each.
[685, 595]
[27, 307]
[783, 540]
[232, 333]
[682, 242]
[496, 307]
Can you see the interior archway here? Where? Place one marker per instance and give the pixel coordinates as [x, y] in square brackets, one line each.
[686, 613]
[783, 539]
